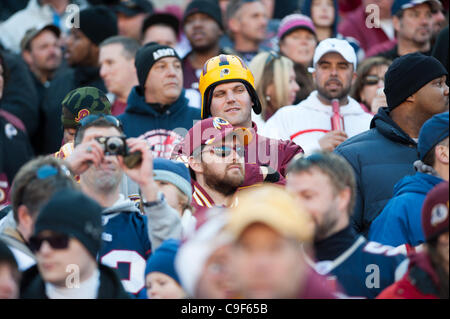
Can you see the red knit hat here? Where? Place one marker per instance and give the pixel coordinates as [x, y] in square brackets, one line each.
[435, 212]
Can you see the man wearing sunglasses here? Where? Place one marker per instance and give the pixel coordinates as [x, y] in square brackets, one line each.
[215, 152]
[129, 236]
[66, 246]
[227, 89]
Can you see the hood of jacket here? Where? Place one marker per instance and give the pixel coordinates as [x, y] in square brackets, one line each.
[419, 183]
[389, 129]
[122, 205]
[138, 105]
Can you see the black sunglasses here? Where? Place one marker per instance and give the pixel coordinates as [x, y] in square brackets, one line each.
[56, 241]
[93, 117]
[225, 151]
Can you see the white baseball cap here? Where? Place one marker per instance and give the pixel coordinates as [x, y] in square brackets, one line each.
[335, 45]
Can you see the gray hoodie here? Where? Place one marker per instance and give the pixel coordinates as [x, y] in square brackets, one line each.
[164, 222]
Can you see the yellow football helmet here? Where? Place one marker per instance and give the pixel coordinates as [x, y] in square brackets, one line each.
[224, 69]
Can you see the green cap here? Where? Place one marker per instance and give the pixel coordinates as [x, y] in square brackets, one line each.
[82, 102]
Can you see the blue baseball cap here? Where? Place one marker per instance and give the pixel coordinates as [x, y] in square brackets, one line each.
[433, 131]
[406, 4]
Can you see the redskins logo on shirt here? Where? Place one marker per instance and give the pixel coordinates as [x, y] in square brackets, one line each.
[218, 122]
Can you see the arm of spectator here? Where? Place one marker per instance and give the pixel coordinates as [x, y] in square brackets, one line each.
[164, 222]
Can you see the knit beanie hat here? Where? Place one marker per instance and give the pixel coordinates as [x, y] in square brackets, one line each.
[175, 173]
[435, 212]
[147, 56]
[408, 74]
[6, 256]
[163, 259]
[82, 102]
[72, 213]
[210, 8]
[98, 23]
[433, 131]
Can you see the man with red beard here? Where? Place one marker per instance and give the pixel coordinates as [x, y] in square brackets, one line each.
[215, 154]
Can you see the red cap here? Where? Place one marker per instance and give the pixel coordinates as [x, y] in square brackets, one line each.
[435, 212]
[209, 131]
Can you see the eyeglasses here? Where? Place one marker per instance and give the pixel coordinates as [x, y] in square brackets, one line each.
[56, 241]
[372, 79]
[93, 117]
[225, 151]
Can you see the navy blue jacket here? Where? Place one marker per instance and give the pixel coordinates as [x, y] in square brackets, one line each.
[362, 268]
[141, 117]
[400, 222]
[380, 157]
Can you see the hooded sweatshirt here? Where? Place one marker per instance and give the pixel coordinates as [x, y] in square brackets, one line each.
[141, 117]
[308, 121]
[400, 222]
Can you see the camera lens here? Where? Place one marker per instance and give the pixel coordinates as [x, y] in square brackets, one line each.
[114, 146]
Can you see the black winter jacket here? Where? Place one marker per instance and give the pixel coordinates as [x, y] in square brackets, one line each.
[32, 285]
[380, 157]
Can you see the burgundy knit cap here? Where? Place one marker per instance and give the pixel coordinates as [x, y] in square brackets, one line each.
[435, 212]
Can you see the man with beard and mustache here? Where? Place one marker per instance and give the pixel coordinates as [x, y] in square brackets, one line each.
[214, 151]
[309, 123]
[203, 27]
[413, 24]
[325, 184]
[129, 236]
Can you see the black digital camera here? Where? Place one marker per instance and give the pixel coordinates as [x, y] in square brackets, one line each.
[117, 145]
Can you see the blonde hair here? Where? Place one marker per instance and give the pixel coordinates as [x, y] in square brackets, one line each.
[272, 68]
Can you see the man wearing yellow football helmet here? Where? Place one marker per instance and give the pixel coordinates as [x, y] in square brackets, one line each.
[227, 89]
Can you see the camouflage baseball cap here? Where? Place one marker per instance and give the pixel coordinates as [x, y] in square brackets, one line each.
[82, 102]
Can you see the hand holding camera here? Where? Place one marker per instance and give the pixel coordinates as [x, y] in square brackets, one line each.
[93, 152]
[117, 145]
